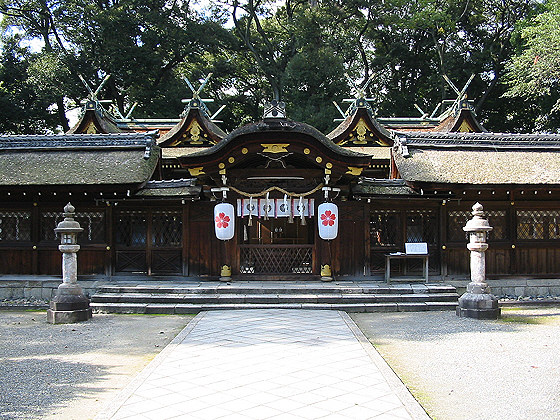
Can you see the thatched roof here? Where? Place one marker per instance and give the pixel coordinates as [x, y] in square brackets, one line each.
[180, 188]
[88, 159]
[479, 159]
[368, 187]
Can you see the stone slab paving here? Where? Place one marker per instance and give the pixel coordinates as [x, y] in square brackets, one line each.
[267, 364]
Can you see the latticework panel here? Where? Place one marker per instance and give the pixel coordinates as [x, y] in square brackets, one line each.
[384, 228]
[166, 262]
[276, 260]
[93, 223]
[15, 225]
[538, 224]
[421, 226]
[167, 228]
[49, 221]
[131, 228]
[131, 261]
[457, 219]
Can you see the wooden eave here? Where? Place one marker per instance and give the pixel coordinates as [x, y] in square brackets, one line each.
[301, 145]
[194, 130]
[375, 134]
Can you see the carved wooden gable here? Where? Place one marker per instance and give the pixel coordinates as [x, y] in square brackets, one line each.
[360, 129]
[194, 130]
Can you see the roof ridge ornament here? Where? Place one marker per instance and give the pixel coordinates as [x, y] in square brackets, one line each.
[200, 103]
[359, 101]
[92, 102]
[457, 104]
[274, 110]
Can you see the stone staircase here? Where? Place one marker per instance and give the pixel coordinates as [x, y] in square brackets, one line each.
[190, 298]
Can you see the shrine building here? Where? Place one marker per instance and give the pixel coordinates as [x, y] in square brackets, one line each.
[145, 193]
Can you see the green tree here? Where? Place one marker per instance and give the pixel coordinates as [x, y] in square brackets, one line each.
[23, 110]
[534, 73]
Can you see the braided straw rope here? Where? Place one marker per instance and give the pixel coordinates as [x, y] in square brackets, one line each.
[274, 188]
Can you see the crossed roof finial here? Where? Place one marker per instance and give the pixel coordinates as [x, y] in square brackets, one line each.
[359, 100]
[197, 101]
[454, 104]
[92, 95]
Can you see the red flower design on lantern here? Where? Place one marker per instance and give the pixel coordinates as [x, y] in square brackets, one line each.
[222, 220]
[328, 218]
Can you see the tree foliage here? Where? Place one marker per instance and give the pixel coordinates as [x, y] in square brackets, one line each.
[23, 109]
[297, 50]
[534, 73]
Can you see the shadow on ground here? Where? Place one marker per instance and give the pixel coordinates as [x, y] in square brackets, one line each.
[44, 367]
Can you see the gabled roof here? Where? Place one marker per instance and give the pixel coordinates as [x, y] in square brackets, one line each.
[125, 159]
[274, 139]
[457, 118]
[462, 119]
[464, 158]
[95, 120]
[360, 128]
[194, 130]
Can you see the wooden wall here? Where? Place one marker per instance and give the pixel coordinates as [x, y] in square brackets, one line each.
[535, 253]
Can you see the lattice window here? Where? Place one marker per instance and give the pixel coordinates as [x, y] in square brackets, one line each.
[93, 223]
[131, 228]
[497, 219]
[384, 228]
[421, 226]
[538, 224]
[15, 225]
[49, 221]
[167, 228]
[457, 219]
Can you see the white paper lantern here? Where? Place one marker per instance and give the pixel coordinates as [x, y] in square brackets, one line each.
[224, 221]
[328, 221]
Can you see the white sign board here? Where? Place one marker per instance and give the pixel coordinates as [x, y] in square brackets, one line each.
[419, 248]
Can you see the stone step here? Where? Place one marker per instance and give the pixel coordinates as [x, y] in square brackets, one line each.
[338, 298]
[307, 288]
[191, 308]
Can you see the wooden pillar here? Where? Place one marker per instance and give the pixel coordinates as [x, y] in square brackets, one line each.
[110, 248]
[186, 238]
[35, 238]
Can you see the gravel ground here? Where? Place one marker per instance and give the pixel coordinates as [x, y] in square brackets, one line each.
[461, 368]
[71, 371]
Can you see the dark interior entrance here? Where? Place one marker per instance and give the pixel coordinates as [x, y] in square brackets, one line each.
[276, 246]
[148, 241]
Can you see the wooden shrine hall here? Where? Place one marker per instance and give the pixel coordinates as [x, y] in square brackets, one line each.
[145, 193]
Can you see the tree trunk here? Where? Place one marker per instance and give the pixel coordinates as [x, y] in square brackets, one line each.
[62, 114]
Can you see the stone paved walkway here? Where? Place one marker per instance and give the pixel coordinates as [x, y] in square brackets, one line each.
[261, 364]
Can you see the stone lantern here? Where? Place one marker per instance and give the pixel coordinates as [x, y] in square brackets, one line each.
[70, 304]
[478, 302]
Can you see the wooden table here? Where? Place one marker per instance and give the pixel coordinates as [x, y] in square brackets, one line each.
[402, 256]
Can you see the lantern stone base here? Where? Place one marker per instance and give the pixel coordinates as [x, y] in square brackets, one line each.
[69, 305]
[478, 306]
[68, 317]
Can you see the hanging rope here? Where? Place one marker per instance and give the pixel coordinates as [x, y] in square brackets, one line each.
[274, 188]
